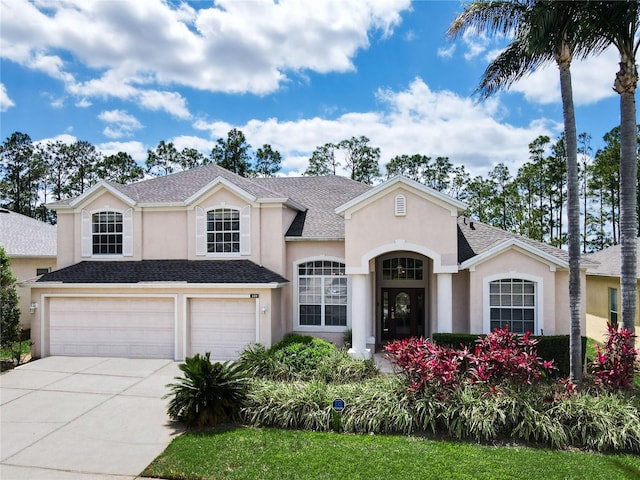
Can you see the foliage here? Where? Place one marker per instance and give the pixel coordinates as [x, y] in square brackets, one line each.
[499, 356]
[303, 357]
[233, 153]
[268, 161]
[9, 304]
[539, 413]
[549, 347]
[616, 361]
[208, 393]
[424, 362]
[504, 355]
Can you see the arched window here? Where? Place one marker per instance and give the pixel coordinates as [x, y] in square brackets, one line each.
[402, 268]
[223, 230]
[512, 303]
[322, 294]
[107, 233]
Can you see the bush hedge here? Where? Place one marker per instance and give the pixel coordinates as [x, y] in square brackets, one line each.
[549, 347]
[606, 422]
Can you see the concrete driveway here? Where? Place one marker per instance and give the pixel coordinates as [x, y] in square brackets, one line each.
[72, 418]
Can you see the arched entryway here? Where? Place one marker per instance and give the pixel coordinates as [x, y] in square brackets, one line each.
[403, 282]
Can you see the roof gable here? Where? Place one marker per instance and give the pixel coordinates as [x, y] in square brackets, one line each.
[479, 242]
[456, 207]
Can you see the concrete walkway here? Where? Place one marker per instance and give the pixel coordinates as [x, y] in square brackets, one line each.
[72, 418]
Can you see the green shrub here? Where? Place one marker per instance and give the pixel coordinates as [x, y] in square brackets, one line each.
[289, 339]
[305, 358]
[208, 393]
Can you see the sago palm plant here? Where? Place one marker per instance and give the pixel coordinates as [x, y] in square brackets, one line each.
[209, 393]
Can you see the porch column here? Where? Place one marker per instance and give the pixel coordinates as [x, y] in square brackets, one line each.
[445, 303]
[360, 300]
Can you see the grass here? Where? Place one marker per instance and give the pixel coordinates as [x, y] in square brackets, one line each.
[246, 452]
[6, 354]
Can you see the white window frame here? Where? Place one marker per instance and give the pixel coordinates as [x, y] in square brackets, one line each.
[296, 298]
[539, 299]
[87, 233]
[201, 214]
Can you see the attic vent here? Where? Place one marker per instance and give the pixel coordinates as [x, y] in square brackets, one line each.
[401, 206]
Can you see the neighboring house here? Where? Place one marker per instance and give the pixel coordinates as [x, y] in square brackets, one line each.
[205, 260]
[604, 302]
[31, 247]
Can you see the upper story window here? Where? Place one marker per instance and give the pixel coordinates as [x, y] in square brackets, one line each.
[512, 304]
[402, 268]
[322, 294]
[107, 233]
[223, 231]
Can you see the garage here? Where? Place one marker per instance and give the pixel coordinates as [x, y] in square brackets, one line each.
[222, 326]
[112, 327]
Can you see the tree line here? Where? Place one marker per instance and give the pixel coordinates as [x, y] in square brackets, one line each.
[530, 202]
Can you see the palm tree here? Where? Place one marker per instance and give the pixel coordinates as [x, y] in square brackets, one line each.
[617, 23]
[543, 31]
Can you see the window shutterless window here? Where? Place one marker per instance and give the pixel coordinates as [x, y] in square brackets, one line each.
[322, 294]
[106, 233]
[512, 304]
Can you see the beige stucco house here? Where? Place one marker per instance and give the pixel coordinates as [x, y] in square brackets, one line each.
[604, 302]
[205, 260]
[31, 247]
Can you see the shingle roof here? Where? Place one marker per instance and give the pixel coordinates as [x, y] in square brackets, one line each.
[479, 237]
[189, 271]
[23, 236]
[180, 186]
[321, 195]
[607, 262]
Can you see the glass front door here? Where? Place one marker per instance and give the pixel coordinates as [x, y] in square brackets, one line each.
[402, 313]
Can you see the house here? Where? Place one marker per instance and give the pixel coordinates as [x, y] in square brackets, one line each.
[31, 247]
[205, 260]
[604, 300]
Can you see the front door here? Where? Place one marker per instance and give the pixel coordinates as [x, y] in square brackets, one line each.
[402, 313]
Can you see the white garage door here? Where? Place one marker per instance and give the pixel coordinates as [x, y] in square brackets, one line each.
[112, 327]
[223, 327]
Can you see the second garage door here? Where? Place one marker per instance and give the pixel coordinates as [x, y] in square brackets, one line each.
[112, 327]
[223, 327]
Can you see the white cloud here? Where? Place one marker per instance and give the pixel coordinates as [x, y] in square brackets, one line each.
[133, 50]
[414, 120]
[592, 80]
[136, 149]
[5, 102]
[119, 123]
[447, 52]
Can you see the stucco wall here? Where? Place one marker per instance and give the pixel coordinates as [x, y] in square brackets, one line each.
[25, 269]
[461, 313]
[513, 263]
[427, 225]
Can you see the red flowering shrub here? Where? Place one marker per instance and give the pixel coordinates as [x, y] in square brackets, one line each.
[499, 356]
[504, 355]
[425, 362]
[615, 363]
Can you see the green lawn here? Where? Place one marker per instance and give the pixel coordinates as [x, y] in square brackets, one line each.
[251, 453]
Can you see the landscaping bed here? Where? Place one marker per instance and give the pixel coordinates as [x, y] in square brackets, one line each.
[501, 398]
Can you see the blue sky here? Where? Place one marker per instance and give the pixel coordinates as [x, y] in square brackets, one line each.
[296, 74]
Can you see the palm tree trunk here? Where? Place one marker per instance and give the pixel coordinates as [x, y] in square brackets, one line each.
[573, 212]
[628, 203]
